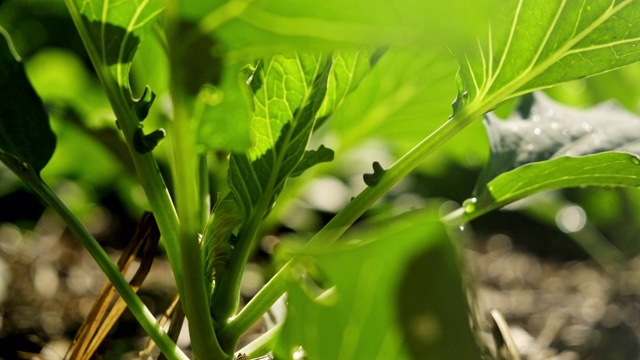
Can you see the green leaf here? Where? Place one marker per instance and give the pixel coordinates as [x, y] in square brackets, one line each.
[543, 129]
[373, 178]
[288, 94]
[533, 45]
[348, 68]
[216, 239]
[116, 29]
[200, 70]
[603, 169]
[25, 133]
[224, 112]
[240, 31]
[396, 294]
[547, 146]
[401, 101]
[258, 28]
[311, 158]
[291, 92]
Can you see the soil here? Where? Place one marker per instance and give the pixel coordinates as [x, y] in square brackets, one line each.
[556, 309]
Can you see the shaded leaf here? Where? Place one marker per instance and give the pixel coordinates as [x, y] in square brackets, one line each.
[116, 45]
[546, 146]
[532, 45]
[543, 129]
[372, 179]
[401, 299]
[311, 158]
[194, 58]
[224, 112]
[25, 133]
[216, 243]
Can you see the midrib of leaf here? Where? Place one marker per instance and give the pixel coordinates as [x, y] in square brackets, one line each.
[509, 90]
[299, 26]
[290, 136]
[222, 14]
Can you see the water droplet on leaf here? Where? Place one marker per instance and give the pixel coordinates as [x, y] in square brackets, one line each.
[469, 205]
[299, 354]
[635, 160]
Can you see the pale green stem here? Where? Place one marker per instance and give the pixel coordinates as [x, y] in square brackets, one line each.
[347, 216]
[361, 203]
[195, 297]
[262, 345]
[205, 191]
[227, 292]
[256, 307]
[148, 172]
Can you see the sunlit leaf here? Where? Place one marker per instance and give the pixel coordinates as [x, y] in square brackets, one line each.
[533, 44]
[25, 134]
[291, 92]
[396, 295]
[603, 169]
[249, 29]
[348, 68]
[240, 31]
[406, 96]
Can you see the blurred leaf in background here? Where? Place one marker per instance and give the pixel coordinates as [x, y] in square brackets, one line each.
[91, 165]
[403, 299]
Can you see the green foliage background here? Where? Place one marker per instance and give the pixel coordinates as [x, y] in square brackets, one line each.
[405, 97]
